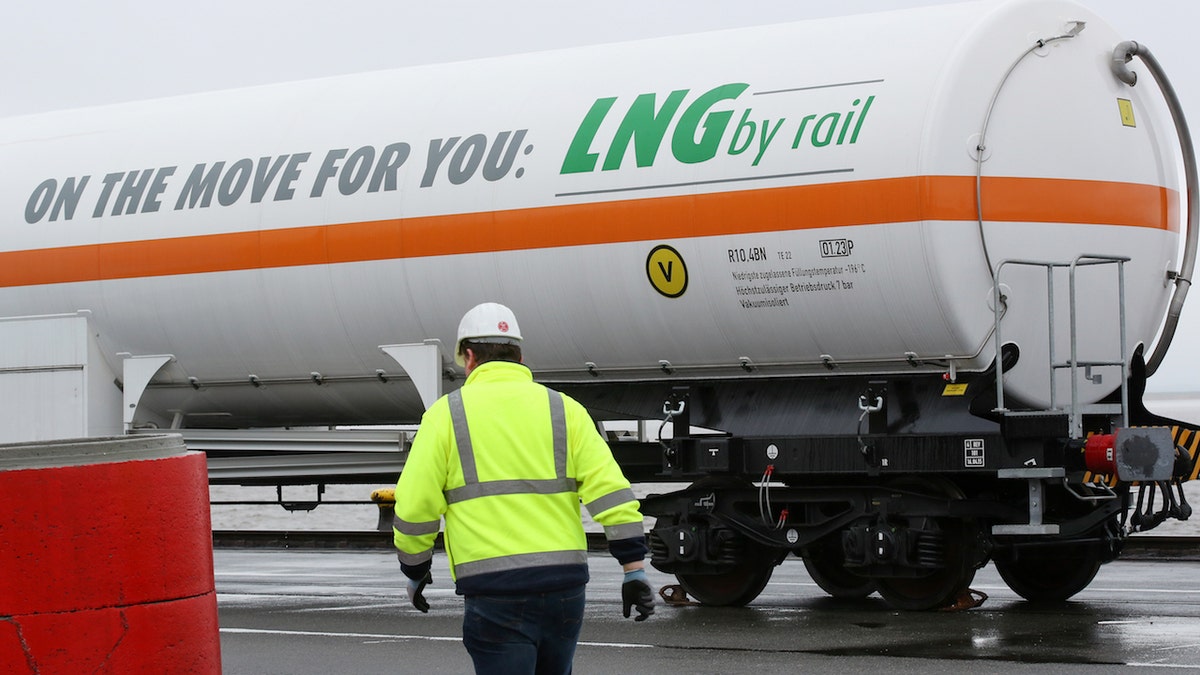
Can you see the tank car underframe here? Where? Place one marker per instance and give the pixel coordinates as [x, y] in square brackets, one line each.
[916, 538]
[896, 485]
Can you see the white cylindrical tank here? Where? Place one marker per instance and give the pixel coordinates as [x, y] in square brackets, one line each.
[794, 197]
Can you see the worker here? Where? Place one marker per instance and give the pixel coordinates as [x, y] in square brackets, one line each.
[507, 461]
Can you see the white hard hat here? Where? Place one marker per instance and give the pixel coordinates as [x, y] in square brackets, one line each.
[487, 322]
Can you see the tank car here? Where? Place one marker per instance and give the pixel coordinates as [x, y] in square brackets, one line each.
[893, 282]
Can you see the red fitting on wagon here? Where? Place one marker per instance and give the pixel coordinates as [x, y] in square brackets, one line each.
[1100, 454]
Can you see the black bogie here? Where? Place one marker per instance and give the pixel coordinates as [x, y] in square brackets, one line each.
[697, 549]
[918, 544]
[899, 485]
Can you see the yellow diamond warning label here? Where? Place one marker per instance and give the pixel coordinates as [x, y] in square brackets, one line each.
[667, 272]
[1126, 107]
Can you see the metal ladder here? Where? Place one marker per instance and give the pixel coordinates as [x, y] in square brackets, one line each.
[1037, 476]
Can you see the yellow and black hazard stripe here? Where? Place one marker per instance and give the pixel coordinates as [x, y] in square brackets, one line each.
[1188, 438]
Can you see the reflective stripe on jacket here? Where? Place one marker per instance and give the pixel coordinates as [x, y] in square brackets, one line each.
[506, 461]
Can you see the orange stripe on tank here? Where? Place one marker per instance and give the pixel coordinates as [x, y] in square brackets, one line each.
[870, 202]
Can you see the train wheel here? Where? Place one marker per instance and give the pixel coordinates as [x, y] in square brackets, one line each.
[734, 588]
[942, 586]
[1050, 574]
[827, 566]
[742, 584]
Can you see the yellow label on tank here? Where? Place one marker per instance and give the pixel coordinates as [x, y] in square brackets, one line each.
[1126, 107]
[667, 271]
[954, 389]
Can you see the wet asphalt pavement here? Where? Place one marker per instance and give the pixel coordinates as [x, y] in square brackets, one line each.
[325, 612]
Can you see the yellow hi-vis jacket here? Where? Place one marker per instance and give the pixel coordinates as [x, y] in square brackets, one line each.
[507, 461]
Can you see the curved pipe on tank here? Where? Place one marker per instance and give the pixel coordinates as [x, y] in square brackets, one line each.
[1001, 306]
[981, 146]
[1122, 55]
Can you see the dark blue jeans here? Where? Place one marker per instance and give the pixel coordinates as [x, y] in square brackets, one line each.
[530, 633]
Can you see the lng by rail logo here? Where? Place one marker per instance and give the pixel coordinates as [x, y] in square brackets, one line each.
[709, 123]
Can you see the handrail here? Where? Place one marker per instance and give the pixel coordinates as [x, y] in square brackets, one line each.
[1074, 407]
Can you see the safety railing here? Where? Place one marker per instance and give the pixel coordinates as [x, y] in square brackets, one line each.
[1073, 407]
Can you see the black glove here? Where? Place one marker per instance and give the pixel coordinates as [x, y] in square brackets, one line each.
[416, 593]
[636, 591]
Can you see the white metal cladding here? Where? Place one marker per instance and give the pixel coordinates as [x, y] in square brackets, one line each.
[917, 81]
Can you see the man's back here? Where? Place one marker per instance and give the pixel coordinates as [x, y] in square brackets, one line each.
[507, 461]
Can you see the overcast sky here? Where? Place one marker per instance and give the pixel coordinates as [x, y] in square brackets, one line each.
[74, 53]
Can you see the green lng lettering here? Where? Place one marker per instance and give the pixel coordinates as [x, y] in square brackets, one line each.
[645, 126]
[578, 159]
[684, 145]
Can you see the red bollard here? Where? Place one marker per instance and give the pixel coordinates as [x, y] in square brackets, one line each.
[106, 558]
